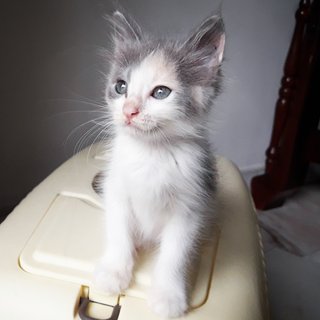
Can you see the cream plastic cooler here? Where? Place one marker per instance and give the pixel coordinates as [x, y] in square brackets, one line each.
[50, 243]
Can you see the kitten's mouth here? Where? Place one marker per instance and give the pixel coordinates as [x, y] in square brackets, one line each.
[141, 127]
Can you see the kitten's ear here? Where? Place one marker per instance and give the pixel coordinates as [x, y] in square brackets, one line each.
[125, 28]
[207, 43]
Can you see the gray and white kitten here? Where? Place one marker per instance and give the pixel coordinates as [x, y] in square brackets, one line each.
[160, 176]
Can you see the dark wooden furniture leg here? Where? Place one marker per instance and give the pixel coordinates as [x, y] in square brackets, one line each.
[295, 132]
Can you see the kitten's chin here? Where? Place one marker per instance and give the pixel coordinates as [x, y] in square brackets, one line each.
[145, 133]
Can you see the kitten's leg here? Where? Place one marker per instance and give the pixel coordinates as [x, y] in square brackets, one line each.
[113, 273]
[169, 292]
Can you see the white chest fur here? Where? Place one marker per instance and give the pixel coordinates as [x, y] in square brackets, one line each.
[154, 179]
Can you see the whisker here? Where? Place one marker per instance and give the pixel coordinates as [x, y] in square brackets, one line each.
[86, 136]
[98, 123]
[84, 101]
[103, 130]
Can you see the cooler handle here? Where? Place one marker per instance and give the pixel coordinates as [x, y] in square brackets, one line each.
[83, 310]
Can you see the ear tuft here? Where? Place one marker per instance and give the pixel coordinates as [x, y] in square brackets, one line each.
[208, 40]
[125, 28]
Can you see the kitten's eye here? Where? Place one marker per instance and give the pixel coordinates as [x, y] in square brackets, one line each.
[121, 87]
[160, 92]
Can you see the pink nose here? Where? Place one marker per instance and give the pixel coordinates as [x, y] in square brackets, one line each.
[130, 110]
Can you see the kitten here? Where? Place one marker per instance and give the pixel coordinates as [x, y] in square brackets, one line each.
[160, 177]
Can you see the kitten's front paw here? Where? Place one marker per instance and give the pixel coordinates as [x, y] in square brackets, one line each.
[168, 303]
[111, 281]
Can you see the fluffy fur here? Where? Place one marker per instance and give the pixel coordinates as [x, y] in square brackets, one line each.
[160, 177]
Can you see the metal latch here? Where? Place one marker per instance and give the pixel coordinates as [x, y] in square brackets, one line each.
[84, 302]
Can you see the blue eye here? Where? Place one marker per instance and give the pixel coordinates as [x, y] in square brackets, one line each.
[160, 92]
[121, 87]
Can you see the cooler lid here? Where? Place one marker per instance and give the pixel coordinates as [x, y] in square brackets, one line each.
[68, 242]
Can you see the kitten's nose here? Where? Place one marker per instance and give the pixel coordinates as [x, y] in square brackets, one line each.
[130, 110]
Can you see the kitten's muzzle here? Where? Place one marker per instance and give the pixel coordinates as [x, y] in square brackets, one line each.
[130, 110]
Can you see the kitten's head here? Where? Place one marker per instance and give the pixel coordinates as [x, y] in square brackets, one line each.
[161, 89]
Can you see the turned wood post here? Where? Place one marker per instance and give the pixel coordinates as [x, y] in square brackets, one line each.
[285, 167]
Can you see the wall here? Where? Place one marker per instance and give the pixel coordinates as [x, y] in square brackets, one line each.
[51, 78]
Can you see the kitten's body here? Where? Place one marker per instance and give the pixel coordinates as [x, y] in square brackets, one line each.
[160, 175]
[156, 178]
